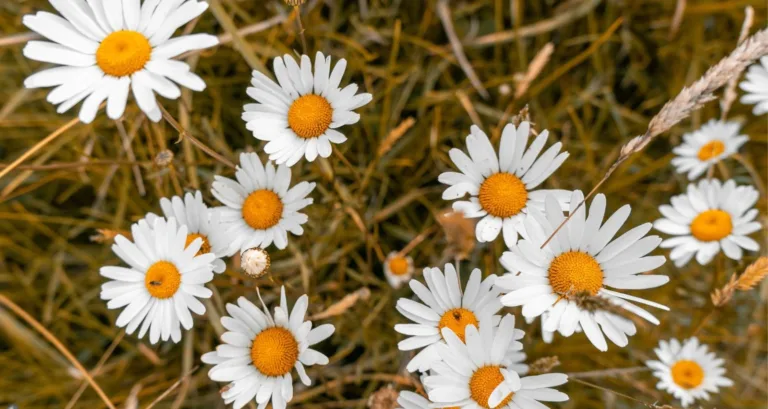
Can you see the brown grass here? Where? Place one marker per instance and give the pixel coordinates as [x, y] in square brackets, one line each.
[612, 70]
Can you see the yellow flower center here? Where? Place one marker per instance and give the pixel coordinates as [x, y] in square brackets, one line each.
[575, 272]
[162, 279]
[482, 384]
[310, 116]
[457, 320]
[711, 225]
[503, 195]
[262, 209]
[711, 149]
[205, 248]
[123, 52]
[398, 265]
[687, 374]
[274, 351]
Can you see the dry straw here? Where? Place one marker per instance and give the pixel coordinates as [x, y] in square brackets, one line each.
[690, 99]
[749, 279]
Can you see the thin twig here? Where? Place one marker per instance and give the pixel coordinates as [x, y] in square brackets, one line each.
[172, 388]
[48, 139]
[445, 17]
[131, 156]
[297, 10]
[729, 95]
[677, 18]
[184, 134]
[604, 389]
[56, 343]
[96, 369]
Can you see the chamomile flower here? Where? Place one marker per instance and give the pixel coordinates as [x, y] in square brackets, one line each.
[568, 278]
[703, 148]
[443, 306]
[688, 371]
[300, 114]
[201, 223]
[163, 282]
[473, 374]
[259, 208]
[756, 87]
[502, 187]
[107, 49]
[261, 349]
[709, 217]
[398, 269]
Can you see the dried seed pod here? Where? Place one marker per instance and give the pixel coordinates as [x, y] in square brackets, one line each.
[255, 262]
[384, 398]
[164, 158]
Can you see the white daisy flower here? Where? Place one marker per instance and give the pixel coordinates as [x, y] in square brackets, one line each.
[105, 49]
[299, 115]
[502, 186]
[473, 375]
[258, 207]
[703, 148]
[569, 276]
[444, 306]
[201, 223]
[709, 217]
[756, 87]
[688, 371]
[260, 350]
[163, 282]
[398, 269]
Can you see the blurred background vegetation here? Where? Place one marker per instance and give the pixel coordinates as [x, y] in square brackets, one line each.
[613, 65]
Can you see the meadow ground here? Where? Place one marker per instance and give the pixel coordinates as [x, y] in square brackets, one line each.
[591, 72]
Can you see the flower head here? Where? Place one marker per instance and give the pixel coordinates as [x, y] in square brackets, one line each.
[709, 217]
[163, 282]
[260, 350]
[502, 187]
[299, 115]
[473, 374]
[107, 49]
[703, 148]
[398, 269]
[201, 222]
[688, 371]
[444, 306]
[568, 278]
[259, 208]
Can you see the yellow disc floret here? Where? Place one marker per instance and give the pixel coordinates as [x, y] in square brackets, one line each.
[262, 209]
[503, 195]
[398, 265]
[274, 351]
[162, 279]
[204, 248]
[122, 53]
[575, 272]
[457, 320]
[711, 225]
[310, 116]
[482, 384]
[687, 374]
[711, 149]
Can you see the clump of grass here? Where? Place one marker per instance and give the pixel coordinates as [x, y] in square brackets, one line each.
[434, 69]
